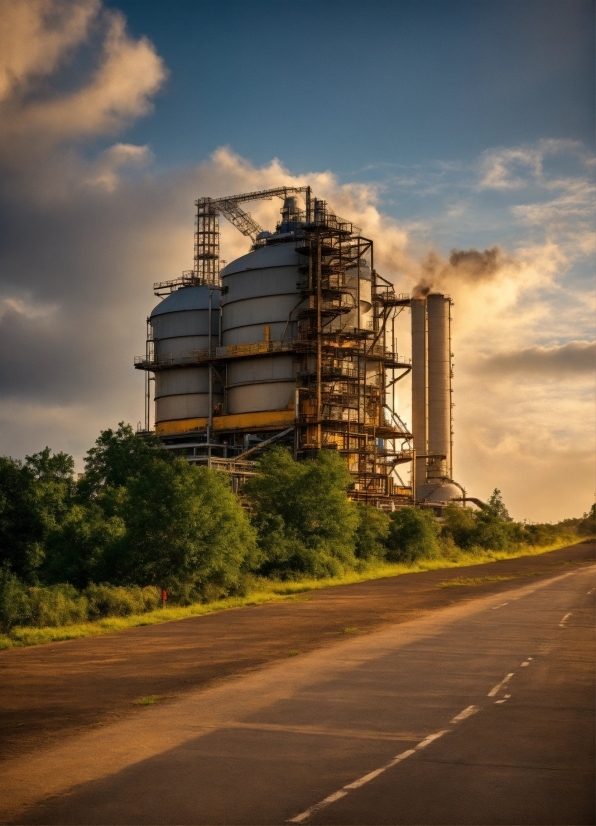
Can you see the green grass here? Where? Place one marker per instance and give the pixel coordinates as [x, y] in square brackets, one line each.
[149, 700]
[473, 580]
[266, 591]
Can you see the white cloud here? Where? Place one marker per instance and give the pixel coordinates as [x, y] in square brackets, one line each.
[36, 36]
[26, 308]
[129, 72]
[104, 172]
[514, 167]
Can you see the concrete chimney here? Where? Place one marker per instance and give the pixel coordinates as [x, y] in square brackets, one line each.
[419, 390]
[439, 385]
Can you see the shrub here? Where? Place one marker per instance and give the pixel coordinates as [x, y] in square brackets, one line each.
[15, 607]
[372, 532]
[115, 601]
[56, 605]
[412, 535]
[459, 525]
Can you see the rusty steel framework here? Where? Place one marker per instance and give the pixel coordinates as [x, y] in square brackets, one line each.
[343, 377]
[347, 373]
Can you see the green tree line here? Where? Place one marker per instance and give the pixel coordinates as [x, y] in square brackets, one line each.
[139, 520]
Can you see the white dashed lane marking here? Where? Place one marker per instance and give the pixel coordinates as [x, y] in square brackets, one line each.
[467, 712]
[356, 784]
[499, 606]
[362, 781]
[564, 620]
[500, 685]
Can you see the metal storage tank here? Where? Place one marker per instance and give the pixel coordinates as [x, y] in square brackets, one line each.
[180, 325]
[259, 308]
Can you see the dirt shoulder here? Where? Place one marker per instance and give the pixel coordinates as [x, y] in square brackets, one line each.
[50, 691]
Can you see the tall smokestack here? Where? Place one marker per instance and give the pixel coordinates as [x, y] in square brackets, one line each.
[419, 389]
[439, 385]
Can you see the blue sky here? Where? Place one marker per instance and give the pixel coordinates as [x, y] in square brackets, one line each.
[363, 88]
[435, 126]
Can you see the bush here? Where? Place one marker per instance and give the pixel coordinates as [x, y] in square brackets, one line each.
[413, 534]
[459, 525]
[372, 532]
[56, 605]
[115, 601]
[15, 607]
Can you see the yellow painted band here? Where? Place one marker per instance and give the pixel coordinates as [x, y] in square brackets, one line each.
[236, 421]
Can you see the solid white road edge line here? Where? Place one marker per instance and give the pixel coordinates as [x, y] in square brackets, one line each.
[500, 685]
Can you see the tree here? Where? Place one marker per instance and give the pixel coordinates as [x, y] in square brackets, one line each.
[305, 521]
[84, 547]
[118, 455]
[495, 507]
[46, 468]
[183, 524]
[54, 485]
[412, 535]
[22, 521]
[495, 530]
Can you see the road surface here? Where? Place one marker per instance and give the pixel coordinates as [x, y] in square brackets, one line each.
[52, 691]
[479, 712]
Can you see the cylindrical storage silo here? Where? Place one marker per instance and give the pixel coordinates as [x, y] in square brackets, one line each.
[180, 327]
[439, 385]
[419, 390]
[259, 306]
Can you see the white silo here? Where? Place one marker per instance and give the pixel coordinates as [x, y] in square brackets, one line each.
[180, 328]
[259, 311]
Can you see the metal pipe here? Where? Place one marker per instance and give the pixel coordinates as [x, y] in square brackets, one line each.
[264, 444]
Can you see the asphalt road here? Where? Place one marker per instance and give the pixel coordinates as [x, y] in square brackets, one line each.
[49, 692]
[480, 712]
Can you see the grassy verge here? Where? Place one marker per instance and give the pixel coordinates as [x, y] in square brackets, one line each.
[266, 591]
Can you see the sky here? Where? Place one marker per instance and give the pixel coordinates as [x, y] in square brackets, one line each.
[459, 134]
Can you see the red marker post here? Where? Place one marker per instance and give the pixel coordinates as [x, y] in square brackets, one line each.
[164, 597]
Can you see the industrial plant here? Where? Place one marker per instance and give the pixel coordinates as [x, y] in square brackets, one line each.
[295, 343]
